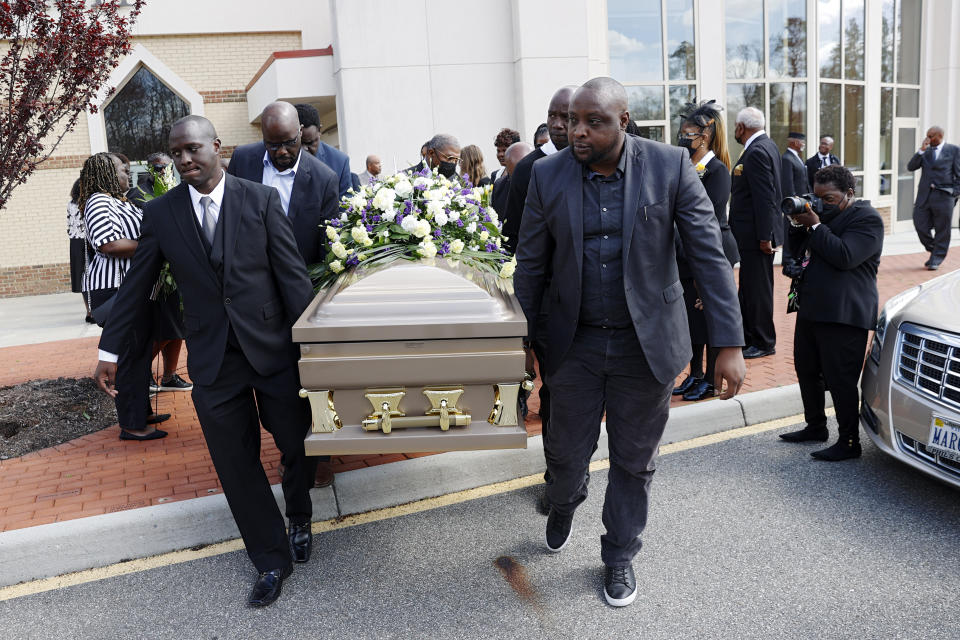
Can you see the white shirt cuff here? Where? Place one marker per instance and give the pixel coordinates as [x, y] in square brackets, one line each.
[106, 356]
[813, 228]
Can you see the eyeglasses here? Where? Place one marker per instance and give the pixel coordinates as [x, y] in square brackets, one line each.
[287, 144]
[689, 135]
[445, 158]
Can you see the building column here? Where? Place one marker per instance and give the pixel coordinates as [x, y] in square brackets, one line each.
[872, 44]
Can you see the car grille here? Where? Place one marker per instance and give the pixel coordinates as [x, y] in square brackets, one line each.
[929, 361]
[918, 450]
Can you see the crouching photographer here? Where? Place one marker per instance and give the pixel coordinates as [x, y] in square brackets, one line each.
[840, 239]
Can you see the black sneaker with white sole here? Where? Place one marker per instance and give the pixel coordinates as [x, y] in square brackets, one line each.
[558, 530]
[619, 586]
[175, 383]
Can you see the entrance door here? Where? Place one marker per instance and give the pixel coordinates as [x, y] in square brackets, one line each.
[905, 182]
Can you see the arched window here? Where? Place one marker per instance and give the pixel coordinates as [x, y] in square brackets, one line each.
[138, 118]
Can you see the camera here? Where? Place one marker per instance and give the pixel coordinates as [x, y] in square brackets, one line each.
[795, 205]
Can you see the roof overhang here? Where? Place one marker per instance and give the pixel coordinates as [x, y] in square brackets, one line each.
[303, 75]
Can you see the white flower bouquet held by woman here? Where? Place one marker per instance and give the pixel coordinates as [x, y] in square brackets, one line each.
[414, 217]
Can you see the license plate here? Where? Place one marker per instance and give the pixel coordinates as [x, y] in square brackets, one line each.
[945, 438]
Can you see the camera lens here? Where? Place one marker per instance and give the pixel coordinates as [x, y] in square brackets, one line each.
[793, 205]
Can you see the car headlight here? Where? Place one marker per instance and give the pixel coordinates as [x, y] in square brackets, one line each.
[893, 306]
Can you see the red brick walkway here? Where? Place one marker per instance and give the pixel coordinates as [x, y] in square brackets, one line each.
[99, 474]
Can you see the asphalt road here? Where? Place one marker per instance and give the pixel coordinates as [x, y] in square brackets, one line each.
[748, 538]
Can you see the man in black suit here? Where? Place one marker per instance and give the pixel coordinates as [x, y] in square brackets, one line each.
[793, 182]
[501, 188]
[936, 194]
[243, 285]
[838, 307]
[337, 160]
[757, 225]
[308, 188]
[597, 254]
[822, 158]
[517, 196]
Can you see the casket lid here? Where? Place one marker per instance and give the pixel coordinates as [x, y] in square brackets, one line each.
[423, 300]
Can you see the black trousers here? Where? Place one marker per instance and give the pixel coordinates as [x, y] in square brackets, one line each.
[606, 371]
[832, 354]
[756, 298]
[230, 412]
[133, 369]
[934, 215]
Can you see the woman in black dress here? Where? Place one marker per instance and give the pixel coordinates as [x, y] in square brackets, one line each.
[702, 134]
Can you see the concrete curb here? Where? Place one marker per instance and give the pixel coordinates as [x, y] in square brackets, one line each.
[84, 543]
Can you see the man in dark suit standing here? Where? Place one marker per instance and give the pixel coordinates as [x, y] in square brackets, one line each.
[793, 182]
[757, 225]
[596, 253]
[501, 188]
[243, 285]
[337, 160]
[308, 188]
[936, 194]
[838, 308]
[822, 158]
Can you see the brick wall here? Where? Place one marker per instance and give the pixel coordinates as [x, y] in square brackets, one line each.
[886, 213]
[35, 253]
[34, 280]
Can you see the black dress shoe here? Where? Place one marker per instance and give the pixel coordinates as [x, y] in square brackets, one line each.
[156, 434]
[701, 391]
[807, 434]
[934, 265]
[619, 586]
[756, 352]
[843, 450]
[301, 541]
[266, 589]
[157, 418]
[558, 530]
[684, 386]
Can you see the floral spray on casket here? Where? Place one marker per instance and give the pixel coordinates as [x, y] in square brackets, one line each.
[416, 216]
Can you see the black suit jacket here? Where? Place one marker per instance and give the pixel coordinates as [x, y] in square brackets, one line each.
[313, 201]
[662, 196]
[793, 175]
[263, 289]
[813, 165]
[755, 196]
[517, 197]
[840, 282]
[501, 189]
[944, 174]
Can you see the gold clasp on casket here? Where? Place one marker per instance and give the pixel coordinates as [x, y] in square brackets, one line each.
[443, 402]
[504, 413]
[325, 417]
[386, 405]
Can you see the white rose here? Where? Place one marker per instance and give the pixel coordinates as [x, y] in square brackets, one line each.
[403, 188]
[332, 233]
[427, 249]
[423, 228]
[384, 199]
[456, 246]
[434, 207]
[506, 271]
[389, 215]
[421, 182]
[433, 194]
[460, 201]
[497, 240]
[359, 234]
[357, 202]
[409, 224]
[336, 266]
[454, 215]
[484, 235]
[441, 218]
[343, 216]
[471, 227]
[339, 250]
[492, 214]
[474, 247]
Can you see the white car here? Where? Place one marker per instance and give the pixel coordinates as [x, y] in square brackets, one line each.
[911, 381]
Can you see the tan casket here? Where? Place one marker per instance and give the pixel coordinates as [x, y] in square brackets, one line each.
[414, 356]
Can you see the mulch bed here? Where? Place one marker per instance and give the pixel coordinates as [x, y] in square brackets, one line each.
[43, 413]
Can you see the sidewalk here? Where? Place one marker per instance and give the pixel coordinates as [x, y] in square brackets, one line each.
[99, 474]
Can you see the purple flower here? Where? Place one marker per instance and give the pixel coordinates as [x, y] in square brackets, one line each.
[375, 218]
[464, 192]
[444, 248]
[436, 233]
[398, 219]
[424, 172]
[369, 228]
[459, 222]
[491, 248]
[352, 260]
[336, 222]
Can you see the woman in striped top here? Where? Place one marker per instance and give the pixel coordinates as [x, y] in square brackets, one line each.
[113, 229]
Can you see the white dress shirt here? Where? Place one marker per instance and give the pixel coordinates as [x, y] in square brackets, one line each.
[282, 181]
[824, 160]
[794, 152]
[752, 138]
[548, 148]
[216, 197]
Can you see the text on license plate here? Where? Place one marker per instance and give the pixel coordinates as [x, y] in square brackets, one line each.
[945, 438]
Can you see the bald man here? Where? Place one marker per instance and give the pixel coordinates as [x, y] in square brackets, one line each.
[936, 194]
[373, 170]
[501, 188]
[596, 255]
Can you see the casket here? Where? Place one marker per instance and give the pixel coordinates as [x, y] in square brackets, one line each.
[413, 357]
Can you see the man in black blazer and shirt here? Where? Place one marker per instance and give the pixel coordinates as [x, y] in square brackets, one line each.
[936, 194]
[308, 188]
[793, 182]
[822, 158]
[838, 307]
[243, 285]
[757, 225]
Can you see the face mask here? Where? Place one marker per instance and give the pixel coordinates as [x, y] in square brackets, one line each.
[687, 144]
[447, 169]
[830, 211]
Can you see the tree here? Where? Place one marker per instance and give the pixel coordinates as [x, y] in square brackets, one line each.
[60, 54]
